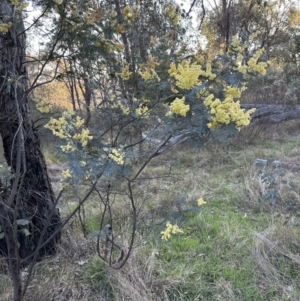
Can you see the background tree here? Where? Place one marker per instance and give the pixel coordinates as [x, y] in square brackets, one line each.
[269, 20]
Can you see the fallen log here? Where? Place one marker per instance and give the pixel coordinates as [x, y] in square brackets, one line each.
[56, 168]
[273, 113]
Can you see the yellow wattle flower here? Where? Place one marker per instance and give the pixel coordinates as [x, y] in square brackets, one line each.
[170, 229]
[200, 202]
[116, 156]
[228, 110]
[179, 107]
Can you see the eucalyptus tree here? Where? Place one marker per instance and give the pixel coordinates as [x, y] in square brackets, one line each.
[31, 197]
[28, 213]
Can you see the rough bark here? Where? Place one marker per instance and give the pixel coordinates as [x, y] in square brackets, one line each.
[31, 196]
[224, 24]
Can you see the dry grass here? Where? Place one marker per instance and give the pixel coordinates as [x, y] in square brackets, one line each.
[274, 255]
[237, 247]
[225, 291]
[136, 282]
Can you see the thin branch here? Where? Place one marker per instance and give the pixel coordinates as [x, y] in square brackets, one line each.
[203, 15]
[192, 5]
[151, 156]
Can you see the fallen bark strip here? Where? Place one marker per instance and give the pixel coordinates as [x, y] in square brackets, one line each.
[274, 163]
[55, 179]
[291, 166]
[273, 113]
[56, 168]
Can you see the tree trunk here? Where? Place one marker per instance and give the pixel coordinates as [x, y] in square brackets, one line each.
[31, 197]
[224, 24]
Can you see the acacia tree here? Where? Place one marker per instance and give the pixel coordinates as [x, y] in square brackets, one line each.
[177, 95]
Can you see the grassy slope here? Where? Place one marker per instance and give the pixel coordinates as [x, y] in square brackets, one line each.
[235, 247]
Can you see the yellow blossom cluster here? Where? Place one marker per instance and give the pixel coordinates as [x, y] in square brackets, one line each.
[239, 64]
[105, 44]
[78, 122]
[254, 65]
[92, 15]
[18, 5]
[200, 202]
[83, 137]
[88, 174]
[170, 229]
[243, 69]
[199, 57]
[141, 110]
[96, 14]
[116, 156]
[118, 105]
[119, 47]
[4, 27]
[125, 73]
[148, 74]
[129, 14]
[172, 13]
[67, 148]
[66, 174]
[152, 62]
[65, 126]
[119, 29]
[235, 45]
[82, 163]
[21, 6]
[232, 92]
[208, 73]
[228, 110]
[58, 127]
[254, 35]
[147, 71]
[178, 107]
[187, 74]
[153, 40]
[42, 105]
